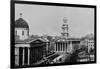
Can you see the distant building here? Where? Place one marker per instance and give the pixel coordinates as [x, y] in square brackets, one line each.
[88, 41]
[64, 44]
[90, 44]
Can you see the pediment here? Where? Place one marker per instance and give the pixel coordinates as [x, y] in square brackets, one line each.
[37, 41]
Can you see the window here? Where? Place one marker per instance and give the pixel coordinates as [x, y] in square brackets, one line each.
[22, 32]
[28, 33]
[16, 33]
[60, 59]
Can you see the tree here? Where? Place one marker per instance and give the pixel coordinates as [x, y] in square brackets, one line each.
[49, 38]
[92, 51]
[84, 48]
[74, 56]
[75, 47]
[77, 50]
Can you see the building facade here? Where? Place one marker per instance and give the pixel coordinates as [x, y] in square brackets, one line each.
[27, 51]
[65, 44]
[88, 41]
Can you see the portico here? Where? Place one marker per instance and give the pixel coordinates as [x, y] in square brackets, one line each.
[61, 46]
[22, 54]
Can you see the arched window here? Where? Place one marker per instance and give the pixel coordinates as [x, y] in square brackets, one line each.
[22, 32]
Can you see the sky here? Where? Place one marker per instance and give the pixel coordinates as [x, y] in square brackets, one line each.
[43, 19]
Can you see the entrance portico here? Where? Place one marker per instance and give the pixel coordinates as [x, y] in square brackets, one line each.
[22, 54]
[63, 46]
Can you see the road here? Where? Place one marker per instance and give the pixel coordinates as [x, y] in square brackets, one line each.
[47, 59]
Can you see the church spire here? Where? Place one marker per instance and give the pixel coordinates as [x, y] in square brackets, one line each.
[65, 28]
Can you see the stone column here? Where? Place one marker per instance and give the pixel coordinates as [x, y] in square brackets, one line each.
[17, 56]
[47, 46]
[71, 47]
[56, 47]
[66, 46]
[23, 54]
[61, 47]
[28, 56]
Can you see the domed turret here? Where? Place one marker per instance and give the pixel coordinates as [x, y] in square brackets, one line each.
[21, 23]
[21, 29]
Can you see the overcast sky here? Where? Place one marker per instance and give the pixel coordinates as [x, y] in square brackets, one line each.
[49, 19]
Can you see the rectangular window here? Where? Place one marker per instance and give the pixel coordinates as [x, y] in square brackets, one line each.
[16, 33]
[22, 32]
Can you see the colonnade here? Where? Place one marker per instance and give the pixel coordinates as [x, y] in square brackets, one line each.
[64, 46]
[61, 46]
[17, 53]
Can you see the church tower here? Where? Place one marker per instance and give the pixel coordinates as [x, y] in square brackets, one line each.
[65, 32]
[21, 29]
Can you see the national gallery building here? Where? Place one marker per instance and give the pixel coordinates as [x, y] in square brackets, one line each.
[27, 51]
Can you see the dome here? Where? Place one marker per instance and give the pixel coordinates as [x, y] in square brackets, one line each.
[21, 23]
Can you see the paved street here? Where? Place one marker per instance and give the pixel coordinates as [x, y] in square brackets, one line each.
[51, 59]
[47, 59]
